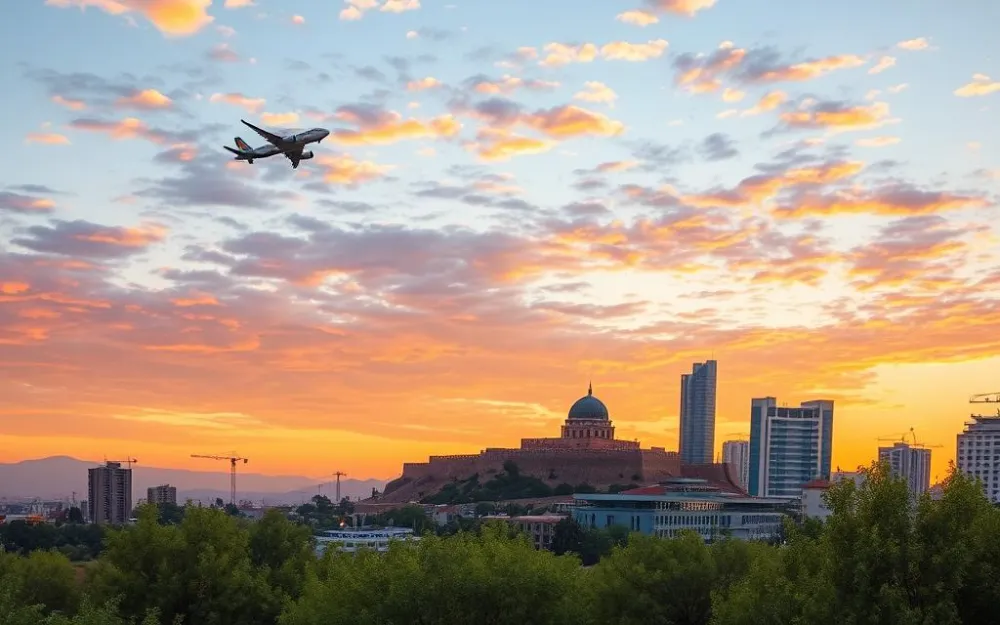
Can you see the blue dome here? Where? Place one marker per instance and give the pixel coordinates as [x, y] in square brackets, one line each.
[589, 408]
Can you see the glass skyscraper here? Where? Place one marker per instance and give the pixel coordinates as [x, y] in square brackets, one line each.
[697, 431]
[788, 446]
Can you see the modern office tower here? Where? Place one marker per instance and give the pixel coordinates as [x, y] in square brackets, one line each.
[162, 494]
[912, 464]
[788, 446]
[109, 494]
[697, 429]
[979, 453]
[737, 454]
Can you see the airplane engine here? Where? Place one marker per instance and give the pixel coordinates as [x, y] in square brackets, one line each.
[306, 156]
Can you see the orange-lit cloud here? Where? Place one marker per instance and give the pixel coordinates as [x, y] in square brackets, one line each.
[238, 4]
[344, 170]
[172, 17]
[597, 92]
[73, 105]
[981, 85]
[48, 138]
[838, 116]
[494, 144]
[563, 122]
[637, 18]
[146, 99]
[682, 7]
[252, 105]
[423, 84]
[919, 43]
[390, 127]
[557, 54]
[127, 128]
[901, 200]
[279, 119]
[508, 84]
[883, 64]
[767, 102]
[812, 69]
[356, 9]
[878, 142]
[298, 19]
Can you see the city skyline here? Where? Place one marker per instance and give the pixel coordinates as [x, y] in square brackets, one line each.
[506, 209]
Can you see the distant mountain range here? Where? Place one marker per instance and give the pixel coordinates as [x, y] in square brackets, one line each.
[59, 476]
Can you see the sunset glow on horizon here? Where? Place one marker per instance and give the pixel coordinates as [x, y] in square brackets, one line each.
[514, 201]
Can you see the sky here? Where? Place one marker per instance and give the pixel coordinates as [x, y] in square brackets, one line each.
[516, 199]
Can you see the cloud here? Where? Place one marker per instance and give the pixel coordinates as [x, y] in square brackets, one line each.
[705, 73]
[48, 138]
[223, 53]
[238, 4]
[767, 102]
[129, 128]
[73, 105]
[376, 126]
[900, 199]
[89, 240]
[981, 85]
[423, 84]
[597, 92]
[356, 9]
[506, 84]
[344, 170]
[279, 119]
[681, 7]
[24, 204]
[919, 43]
[146, 99]
[252, 105]
[718, 147]
[837, 116]
[637, 18]
[497, 144]
[884, 63]
[562, 122]
[877, 142]
[298, 19]
[557, 54]
[732, 95]
[914, 252]
[175, 18]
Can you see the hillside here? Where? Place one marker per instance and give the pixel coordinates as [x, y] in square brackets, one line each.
[58, 477]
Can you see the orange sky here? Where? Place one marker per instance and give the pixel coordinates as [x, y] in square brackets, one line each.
[498, 217]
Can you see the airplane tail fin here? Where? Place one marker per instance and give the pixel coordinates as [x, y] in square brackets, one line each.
[241, 144]
[236, 152]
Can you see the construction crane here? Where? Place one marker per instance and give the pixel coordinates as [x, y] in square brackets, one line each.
[901, 438]
[233, 459]
[338, 474]
[128, 461]
[985, 398]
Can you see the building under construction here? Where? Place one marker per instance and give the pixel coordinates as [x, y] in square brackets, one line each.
[978, 454]
[110, 493]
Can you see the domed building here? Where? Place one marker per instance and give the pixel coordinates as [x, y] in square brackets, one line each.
[587, 426]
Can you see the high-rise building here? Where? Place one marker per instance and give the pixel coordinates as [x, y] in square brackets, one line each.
[109, 494]
[788, 446]
[979, 453]
[697, 429]
[912, 464]
[737, 454]
[162, 494]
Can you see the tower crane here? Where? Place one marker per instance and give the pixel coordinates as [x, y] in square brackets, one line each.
[901, 438]
[986, 398]
[338, 474]
[127, 461]
[233, 459]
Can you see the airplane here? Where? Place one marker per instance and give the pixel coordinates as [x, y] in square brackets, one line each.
[291, 145]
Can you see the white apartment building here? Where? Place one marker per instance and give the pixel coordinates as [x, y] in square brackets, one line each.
[737, 454]
[789, 446]
[912, 464]
[979, 453]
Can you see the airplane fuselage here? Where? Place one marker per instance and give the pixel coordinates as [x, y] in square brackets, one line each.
[290, 145]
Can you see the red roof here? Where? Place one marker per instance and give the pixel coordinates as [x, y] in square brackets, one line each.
[817, 484]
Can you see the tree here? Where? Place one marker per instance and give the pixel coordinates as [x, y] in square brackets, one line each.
[567, 537]
[75, 515]
[491, 578]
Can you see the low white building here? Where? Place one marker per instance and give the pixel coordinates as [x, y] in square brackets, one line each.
[813, 504]
[351, 540]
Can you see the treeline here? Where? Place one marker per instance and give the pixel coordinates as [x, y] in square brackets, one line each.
[880, 559]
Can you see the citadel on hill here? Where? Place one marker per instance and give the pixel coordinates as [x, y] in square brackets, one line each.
[586, 452]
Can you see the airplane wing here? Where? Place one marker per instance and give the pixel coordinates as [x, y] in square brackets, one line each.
[271, 137]
[294, 156]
